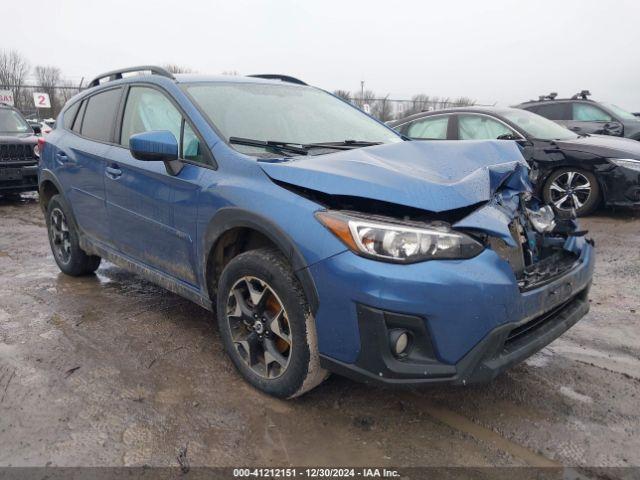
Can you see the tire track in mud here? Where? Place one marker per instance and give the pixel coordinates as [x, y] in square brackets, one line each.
[464, 425]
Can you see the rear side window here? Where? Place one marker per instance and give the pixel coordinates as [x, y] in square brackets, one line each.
[553, 111]
[100, 115]
[583, 112]
[430, 128]
[70, 115]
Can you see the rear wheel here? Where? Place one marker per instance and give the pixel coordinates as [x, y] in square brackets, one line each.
[570, 188]
[266, 324]
[63, 238]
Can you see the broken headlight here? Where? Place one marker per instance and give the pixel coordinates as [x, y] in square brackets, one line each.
[543, 219]
[398, 242]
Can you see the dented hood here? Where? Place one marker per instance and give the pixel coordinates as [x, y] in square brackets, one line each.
[434, 176]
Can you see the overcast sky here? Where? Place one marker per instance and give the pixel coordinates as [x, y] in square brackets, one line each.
[489, 50]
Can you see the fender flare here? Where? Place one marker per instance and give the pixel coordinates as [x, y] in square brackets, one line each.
[228, 218]
[47, 175]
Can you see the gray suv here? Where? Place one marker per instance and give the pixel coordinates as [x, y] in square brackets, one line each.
[585, 116]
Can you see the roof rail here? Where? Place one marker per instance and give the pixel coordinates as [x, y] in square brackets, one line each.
[276, 76]
[117, 74]
[583, 95]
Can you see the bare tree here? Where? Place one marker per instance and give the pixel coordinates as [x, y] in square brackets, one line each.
[174, 68]
[343, 94]
[382, 109]
[14, 69]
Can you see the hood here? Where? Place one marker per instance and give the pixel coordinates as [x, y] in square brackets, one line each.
[13, 138]
[433, 176]
[603, 146]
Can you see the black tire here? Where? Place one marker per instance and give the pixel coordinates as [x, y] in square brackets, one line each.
[586, 200]
[63, 239]
[271, 272]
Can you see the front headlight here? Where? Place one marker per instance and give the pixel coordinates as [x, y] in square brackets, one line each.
[397, 242]
[626, 163]
[36, 151]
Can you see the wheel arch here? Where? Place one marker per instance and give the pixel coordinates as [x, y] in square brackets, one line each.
[234, 230]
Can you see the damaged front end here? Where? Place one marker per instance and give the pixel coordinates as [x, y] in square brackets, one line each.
[538, 244]
[445, 244]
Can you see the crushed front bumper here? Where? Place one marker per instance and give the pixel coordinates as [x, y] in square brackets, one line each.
[468, 319]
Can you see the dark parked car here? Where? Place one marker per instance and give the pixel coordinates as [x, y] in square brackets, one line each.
[19, 153]
[323, 241]
[573, 171]
[582, 115]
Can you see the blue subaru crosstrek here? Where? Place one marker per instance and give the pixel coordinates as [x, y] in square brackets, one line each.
[323, 240]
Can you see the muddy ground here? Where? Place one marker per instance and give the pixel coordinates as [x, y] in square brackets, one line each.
[112, 370]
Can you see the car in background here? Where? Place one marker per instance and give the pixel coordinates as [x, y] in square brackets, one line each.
[573, 172]
[582, 115]
[324, 242]
[19, 153]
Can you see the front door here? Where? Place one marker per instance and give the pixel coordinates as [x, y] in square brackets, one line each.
[153, 213]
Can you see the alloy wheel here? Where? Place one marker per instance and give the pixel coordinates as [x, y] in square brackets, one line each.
[259, 327]
[570, 190]
[60, 235]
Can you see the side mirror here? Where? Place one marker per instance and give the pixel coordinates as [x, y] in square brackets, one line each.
[155, 146]
[36, 129]
[613, 128]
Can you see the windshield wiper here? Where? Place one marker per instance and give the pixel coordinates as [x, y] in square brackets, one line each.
[344, 145]
[270, 144]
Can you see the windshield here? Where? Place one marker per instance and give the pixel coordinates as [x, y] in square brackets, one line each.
[12, 122]
[536, 126]
[284, 113]
[621, 112]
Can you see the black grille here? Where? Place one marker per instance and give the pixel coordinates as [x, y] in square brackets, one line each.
[16, 153]
[524, 330]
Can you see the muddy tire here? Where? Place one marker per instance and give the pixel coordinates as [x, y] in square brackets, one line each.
[266, 324]
[63, 239]
[568, 188]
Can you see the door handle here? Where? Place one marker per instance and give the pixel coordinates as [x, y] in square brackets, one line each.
[113, 172]
[62, 158]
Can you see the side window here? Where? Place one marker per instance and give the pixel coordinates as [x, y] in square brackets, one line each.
[479, 127]
[147, 110]
[77, 123]
[553, 111]
[583, 112]
[70, 115]
[431, 128]
[100, 115]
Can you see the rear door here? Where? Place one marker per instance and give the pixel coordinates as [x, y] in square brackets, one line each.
[152, 213]
[80, 161]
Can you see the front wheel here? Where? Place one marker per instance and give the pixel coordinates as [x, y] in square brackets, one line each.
[570, 188]
[266, 325]
[63, 238]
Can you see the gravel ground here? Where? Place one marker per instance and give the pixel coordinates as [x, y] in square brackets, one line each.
[112, 370]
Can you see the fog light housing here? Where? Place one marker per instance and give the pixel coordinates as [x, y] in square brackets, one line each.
[399, 342]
